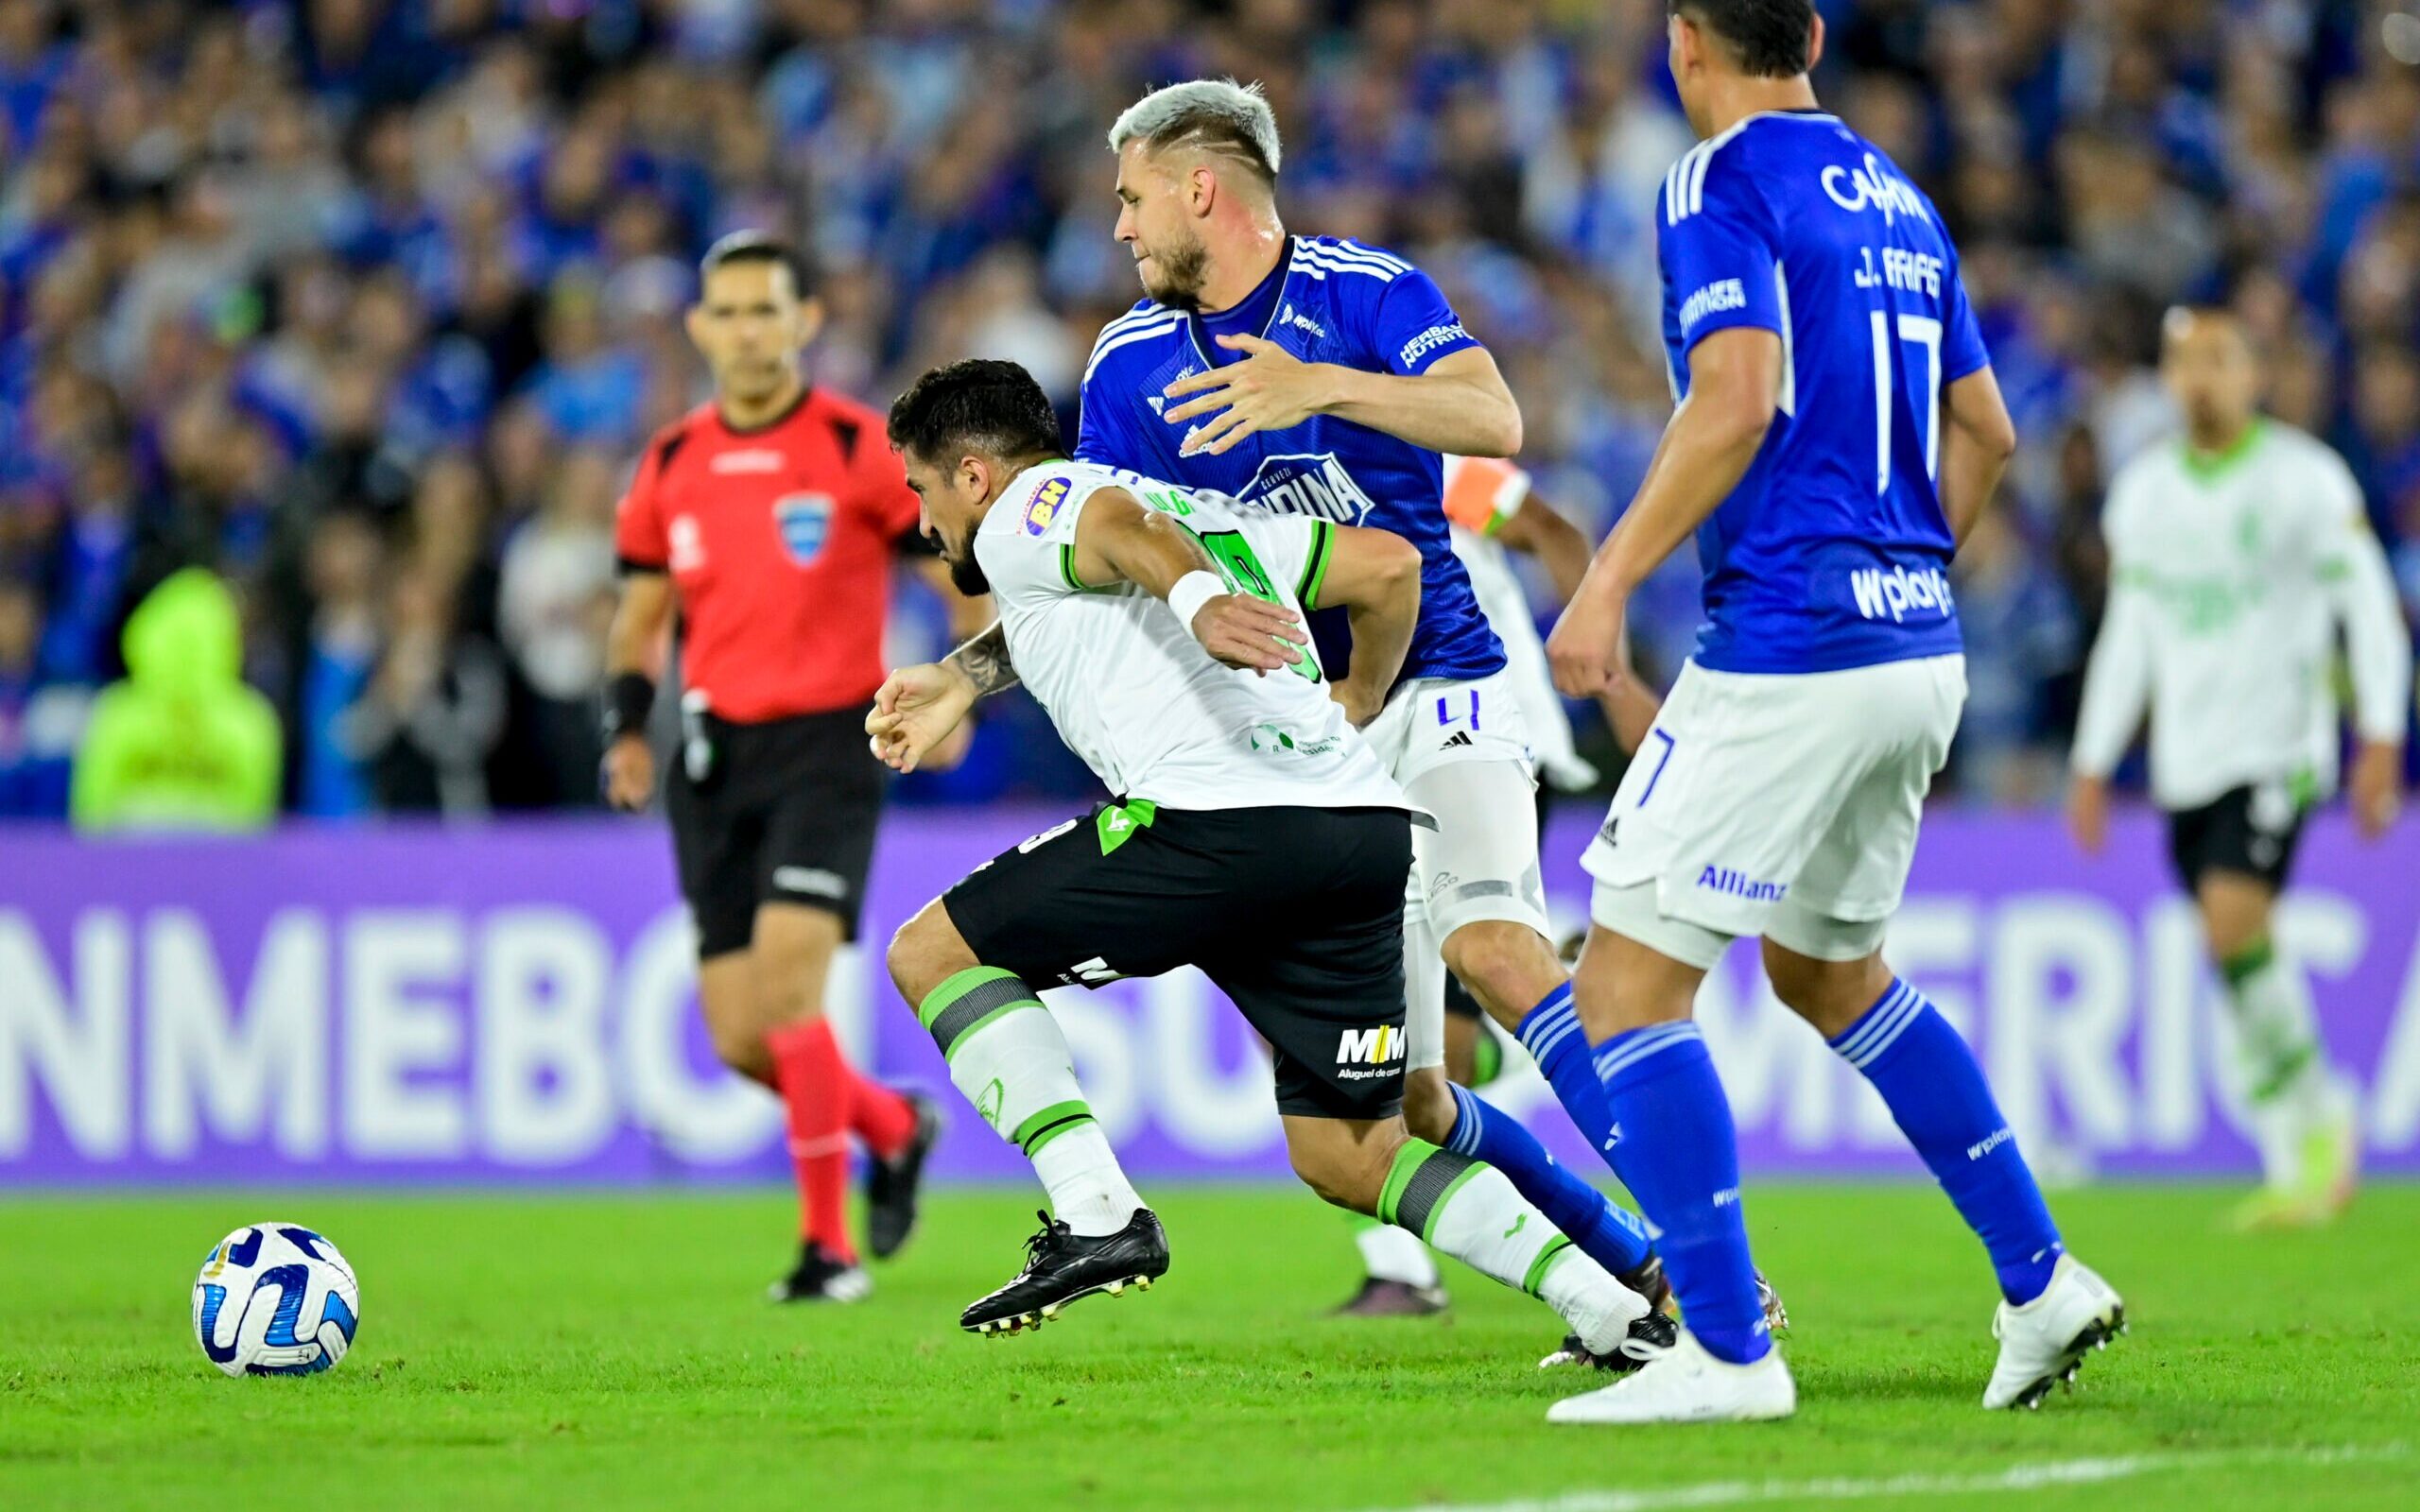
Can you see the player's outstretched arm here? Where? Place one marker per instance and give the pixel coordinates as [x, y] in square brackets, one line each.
[1734, 377]
[1117, 540]
[1460, 405]
[1977, 443]
[1375, 576]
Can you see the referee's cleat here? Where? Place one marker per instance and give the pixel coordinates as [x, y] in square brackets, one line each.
[1063, 1266]
[2044, 1342]
[822, 1277]
[1649, 1337]
[1379, 1298]
[890, 1185]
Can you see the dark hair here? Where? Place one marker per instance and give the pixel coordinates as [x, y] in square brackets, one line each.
[980, 404]
[1770, 37]
[758, 247]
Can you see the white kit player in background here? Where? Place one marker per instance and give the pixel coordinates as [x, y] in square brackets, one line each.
[2236, 553]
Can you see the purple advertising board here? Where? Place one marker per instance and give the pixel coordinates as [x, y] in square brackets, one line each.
[515, 1003]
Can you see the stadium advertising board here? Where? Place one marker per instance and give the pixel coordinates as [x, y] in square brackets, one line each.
[514, 1005]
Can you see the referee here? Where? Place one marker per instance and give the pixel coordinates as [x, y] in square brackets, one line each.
[768, 518]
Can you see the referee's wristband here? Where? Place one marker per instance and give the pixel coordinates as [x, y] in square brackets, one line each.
[1191, 591]
[629, 698]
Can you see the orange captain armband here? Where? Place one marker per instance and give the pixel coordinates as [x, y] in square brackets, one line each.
[1481, 493]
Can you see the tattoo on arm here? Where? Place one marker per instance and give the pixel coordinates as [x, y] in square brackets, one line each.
[985, 660]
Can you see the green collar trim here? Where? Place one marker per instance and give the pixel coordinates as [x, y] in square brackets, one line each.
[2208, 467]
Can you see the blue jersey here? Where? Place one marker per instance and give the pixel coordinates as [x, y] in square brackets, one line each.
[1330, 300]
[1833, 551]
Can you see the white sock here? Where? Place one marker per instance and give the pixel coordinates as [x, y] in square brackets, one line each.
[1389, 1254]
[1469, 1210]
[1088, 1190]
[1007, 1055]
[2278, 1048]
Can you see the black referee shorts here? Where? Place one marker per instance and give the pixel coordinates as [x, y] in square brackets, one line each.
[1295, 913]
[2250, 829]
[785, 814]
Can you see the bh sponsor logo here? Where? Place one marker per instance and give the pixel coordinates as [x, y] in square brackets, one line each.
[1363, 1055]
[1892, 595]
[1044, 507]
[1312, 484]
[1871, 186]
[1731, 883]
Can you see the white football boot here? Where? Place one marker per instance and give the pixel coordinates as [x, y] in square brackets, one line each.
[2044, 1342]
[1686, 1384]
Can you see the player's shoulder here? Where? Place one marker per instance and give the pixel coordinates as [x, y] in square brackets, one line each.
[2326, 481]
[1138, 333]
[671, 438]
[2300, 448]
[1328, 258]
[1724, 174]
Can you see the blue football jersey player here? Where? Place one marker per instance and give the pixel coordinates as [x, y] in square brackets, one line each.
[1838, 428]
[1317, 375]
[1327, 301]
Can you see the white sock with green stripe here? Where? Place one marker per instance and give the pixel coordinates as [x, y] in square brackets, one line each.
[1468, 1210]
[1007, 1056]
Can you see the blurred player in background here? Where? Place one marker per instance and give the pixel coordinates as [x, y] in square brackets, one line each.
[1838, 430]
[1313, 375]
[2235, 553]
[768, 518]
[1254, 834]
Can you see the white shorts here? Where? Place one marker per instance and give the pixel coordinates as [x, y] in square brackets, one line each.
[1460, 750]
[1784, 806]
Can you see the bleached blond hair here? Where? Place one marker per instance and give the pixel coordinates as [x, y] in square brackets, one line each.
[1212, 115]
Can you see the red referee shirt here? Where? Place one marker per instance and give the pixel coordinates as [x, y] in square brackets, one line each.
[779, 541]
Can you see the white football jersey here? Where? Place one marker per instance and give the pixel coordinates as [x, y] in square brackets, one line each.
[1130, 689]
[2228, 577]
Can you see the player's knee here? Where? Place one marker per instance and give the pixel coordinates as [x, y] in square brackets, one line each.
[1429, 1109]
[1341, 1173]
[926, 952]
[1829, 995]
[741, 1047]
[1507, 967]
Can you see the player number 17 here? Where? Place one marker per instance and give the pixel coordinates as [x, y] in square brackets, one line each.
[1917, 331]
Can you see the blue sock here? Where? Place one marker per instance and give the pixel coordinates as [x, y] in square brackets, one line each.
[1588, 1217]
[1550, 1032]
[1927, 1076]
[1673, 1144]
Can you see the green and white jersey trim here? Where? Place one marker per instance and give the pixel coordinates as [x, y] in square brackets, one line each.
[1129, 688]
[2231, 577]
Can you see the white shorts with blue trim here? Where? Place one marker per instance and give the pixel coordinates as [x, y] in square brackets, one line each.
[1781, 805]
[1460, 748]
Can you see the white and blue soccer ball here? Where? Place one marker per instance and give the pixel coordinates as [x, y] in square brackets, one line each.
[275, 1299]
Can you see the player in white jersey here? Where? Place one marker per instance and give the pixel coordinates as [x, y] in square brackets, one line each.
[2236, 551]
[1254, 835]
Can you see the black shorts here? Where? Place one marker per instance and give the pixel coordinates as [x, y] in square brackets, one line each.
[2250, 830]
[785, 814]
[1295, 913]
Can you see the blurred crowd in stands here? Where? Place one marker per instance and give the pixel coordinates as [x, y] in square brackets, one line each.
[366, 305]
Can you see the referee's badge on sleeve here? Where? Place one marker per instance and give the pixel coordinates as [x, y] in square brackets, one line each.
[804, 520]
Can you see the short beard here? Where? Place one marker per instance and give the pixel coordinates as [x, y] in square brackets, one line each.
[1181, 271]
[966, 574]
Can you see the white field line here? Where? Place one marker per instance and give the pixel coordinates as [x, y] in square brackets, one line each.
[1839, 1488]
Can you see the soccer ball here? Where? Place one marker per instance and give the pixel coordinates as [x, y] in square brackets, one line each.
[257, 1287]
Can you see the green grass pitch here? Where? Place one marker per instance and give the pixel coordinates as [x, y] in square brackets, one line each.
[597, 1352]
